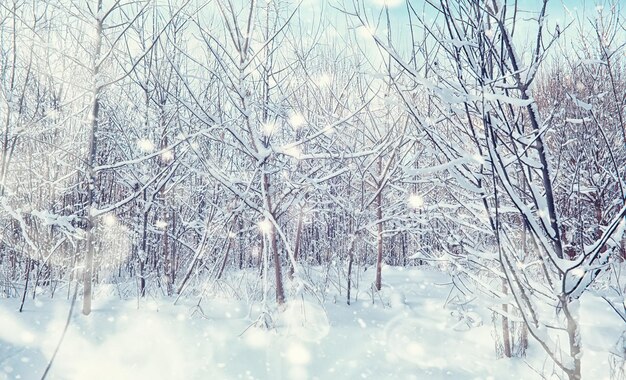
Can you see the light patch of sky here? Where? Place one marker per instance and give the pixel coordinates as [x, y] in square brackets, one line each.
[559, 12]
[576, 20]
[341, 29]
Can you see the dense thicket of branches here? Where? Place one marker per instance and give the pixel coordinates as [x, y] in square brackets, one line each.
[174, 144]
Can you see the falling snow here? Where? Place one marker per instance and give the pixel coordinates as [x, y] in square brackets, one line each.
[315, 189]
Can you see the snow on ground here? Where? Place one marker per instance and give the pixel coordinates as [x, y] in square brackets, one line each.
[411, 335]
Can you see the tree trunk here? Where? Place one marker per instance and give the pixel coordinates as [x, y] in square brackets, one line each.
[506, 332]
[280, 291]
[573, 335]
[172, 268]
[296, 249]
[91, 160]
[350, 262]
[142, 257]
[524, 337]
[28, 265]
[379, 238]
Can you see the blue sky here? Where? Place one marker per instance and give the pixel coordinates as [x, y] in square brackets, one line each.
[562, 12]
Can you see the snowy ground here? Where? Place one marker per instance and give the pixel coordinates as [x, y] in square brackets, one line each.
[410, 335]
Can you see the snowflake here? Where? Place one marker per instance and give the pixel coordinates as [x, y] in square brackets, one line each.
[415, 201]
[297, 120]
[324, 80]
[298, 354]
[265, 226]
[109, 220]
[293, 151]
[578, 272]
[478, 159]
[388, 3]
[269, 128]
[366, 31]
[145, 145]
[167, 156]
